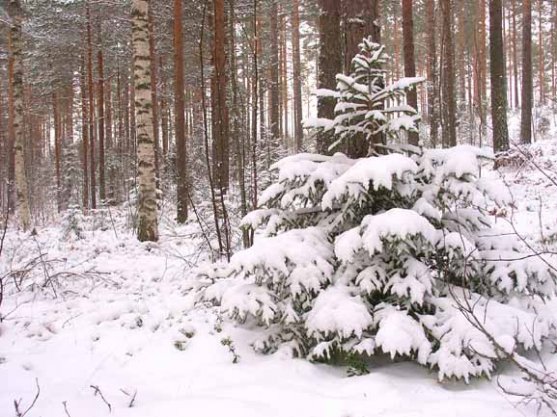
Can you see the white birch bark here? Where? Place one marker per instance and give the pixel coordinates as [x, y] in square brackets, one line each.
[147, 210]
[20, 177]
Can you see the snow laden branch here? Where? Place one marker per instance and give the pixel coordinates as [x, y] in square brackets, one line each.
[359, 257]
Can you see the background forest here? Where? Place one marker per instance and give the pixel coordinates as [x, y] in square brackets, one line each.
[197, 194]
[232, 83]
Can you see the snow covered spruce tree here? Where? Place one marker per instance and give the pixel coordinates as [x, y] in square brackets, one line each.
[386, 254]
[368, 107]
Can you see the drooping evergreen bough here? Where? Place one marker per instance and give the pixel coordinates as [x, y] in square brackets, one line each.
[391, 254]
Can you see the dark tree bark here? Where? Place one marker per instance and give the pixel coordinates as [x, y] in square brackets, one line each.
[91, 118]
[57, 148]
[449, 102]
[84, 135]
[11, 131]
[297, 73]
[274, 105]
[101, 114]
[179, 124]
[515, 54]
[218, 100]
[409, 63]
[498, 81]
[330, 64]
[432, 71]
[527, 82]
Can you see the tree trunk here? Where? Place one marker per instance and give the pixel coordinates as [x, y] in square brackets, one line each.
[330, 64]
[218, 100]
[432, 85]
[274, 104]
[515, 54]
[91, 96]
[527, 83]
[297, 74]
[155, 109]
[100, 112]
[57, 149]
[409, 63]
[179, 124]
[147, 210]
[84, 135]
[541, 61]
[11, 130]
[449, 103]
[22, 198]
[498, 82]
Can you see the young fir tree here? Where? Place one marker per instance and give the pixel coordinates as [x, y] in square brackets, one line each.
[366, 105]
[379, 255]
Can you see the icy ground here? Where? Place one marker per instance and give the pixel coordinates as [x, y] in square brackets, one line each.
[110, 321]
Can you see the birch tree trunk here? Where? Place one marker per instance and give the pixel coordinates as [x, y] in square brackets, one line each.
[147, 210]
[22, 199]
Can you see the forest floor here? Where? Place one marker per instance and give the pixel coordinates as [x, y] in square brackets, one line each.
[106, 325]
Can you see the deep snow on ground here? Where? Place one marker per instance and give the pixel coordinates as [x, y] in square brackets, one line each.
[120, 316]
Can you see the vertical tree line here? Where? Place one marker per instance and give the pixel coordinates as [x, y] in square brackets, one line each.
[74, 78]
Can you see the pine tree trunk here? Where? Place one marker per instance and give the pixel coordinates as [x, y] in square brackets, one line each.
[91, 119]
[527, 83]
[498, 82]
[284, 80]
[147, 210]
[218, 100]
[274, 74]
[236, 121]
[3, 155]
[20, 177]
[84, 136]
[11, 130]
[57, 149]
[164, 116]
[449, 103]
[515, 54]
[330, 64]
[541, 67]
[179, 124]
[100, 113]
[409, 63]
[297, 74]
[432, 86]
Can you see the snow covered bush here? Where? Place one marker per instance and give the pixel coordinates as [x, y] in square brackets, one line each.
[380, 254]
[392, 254]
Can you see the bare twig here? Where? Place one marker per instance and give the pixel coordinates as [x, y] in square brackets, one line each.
[65, 404]
[97, 391]
[132, 397]
[17, 404]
